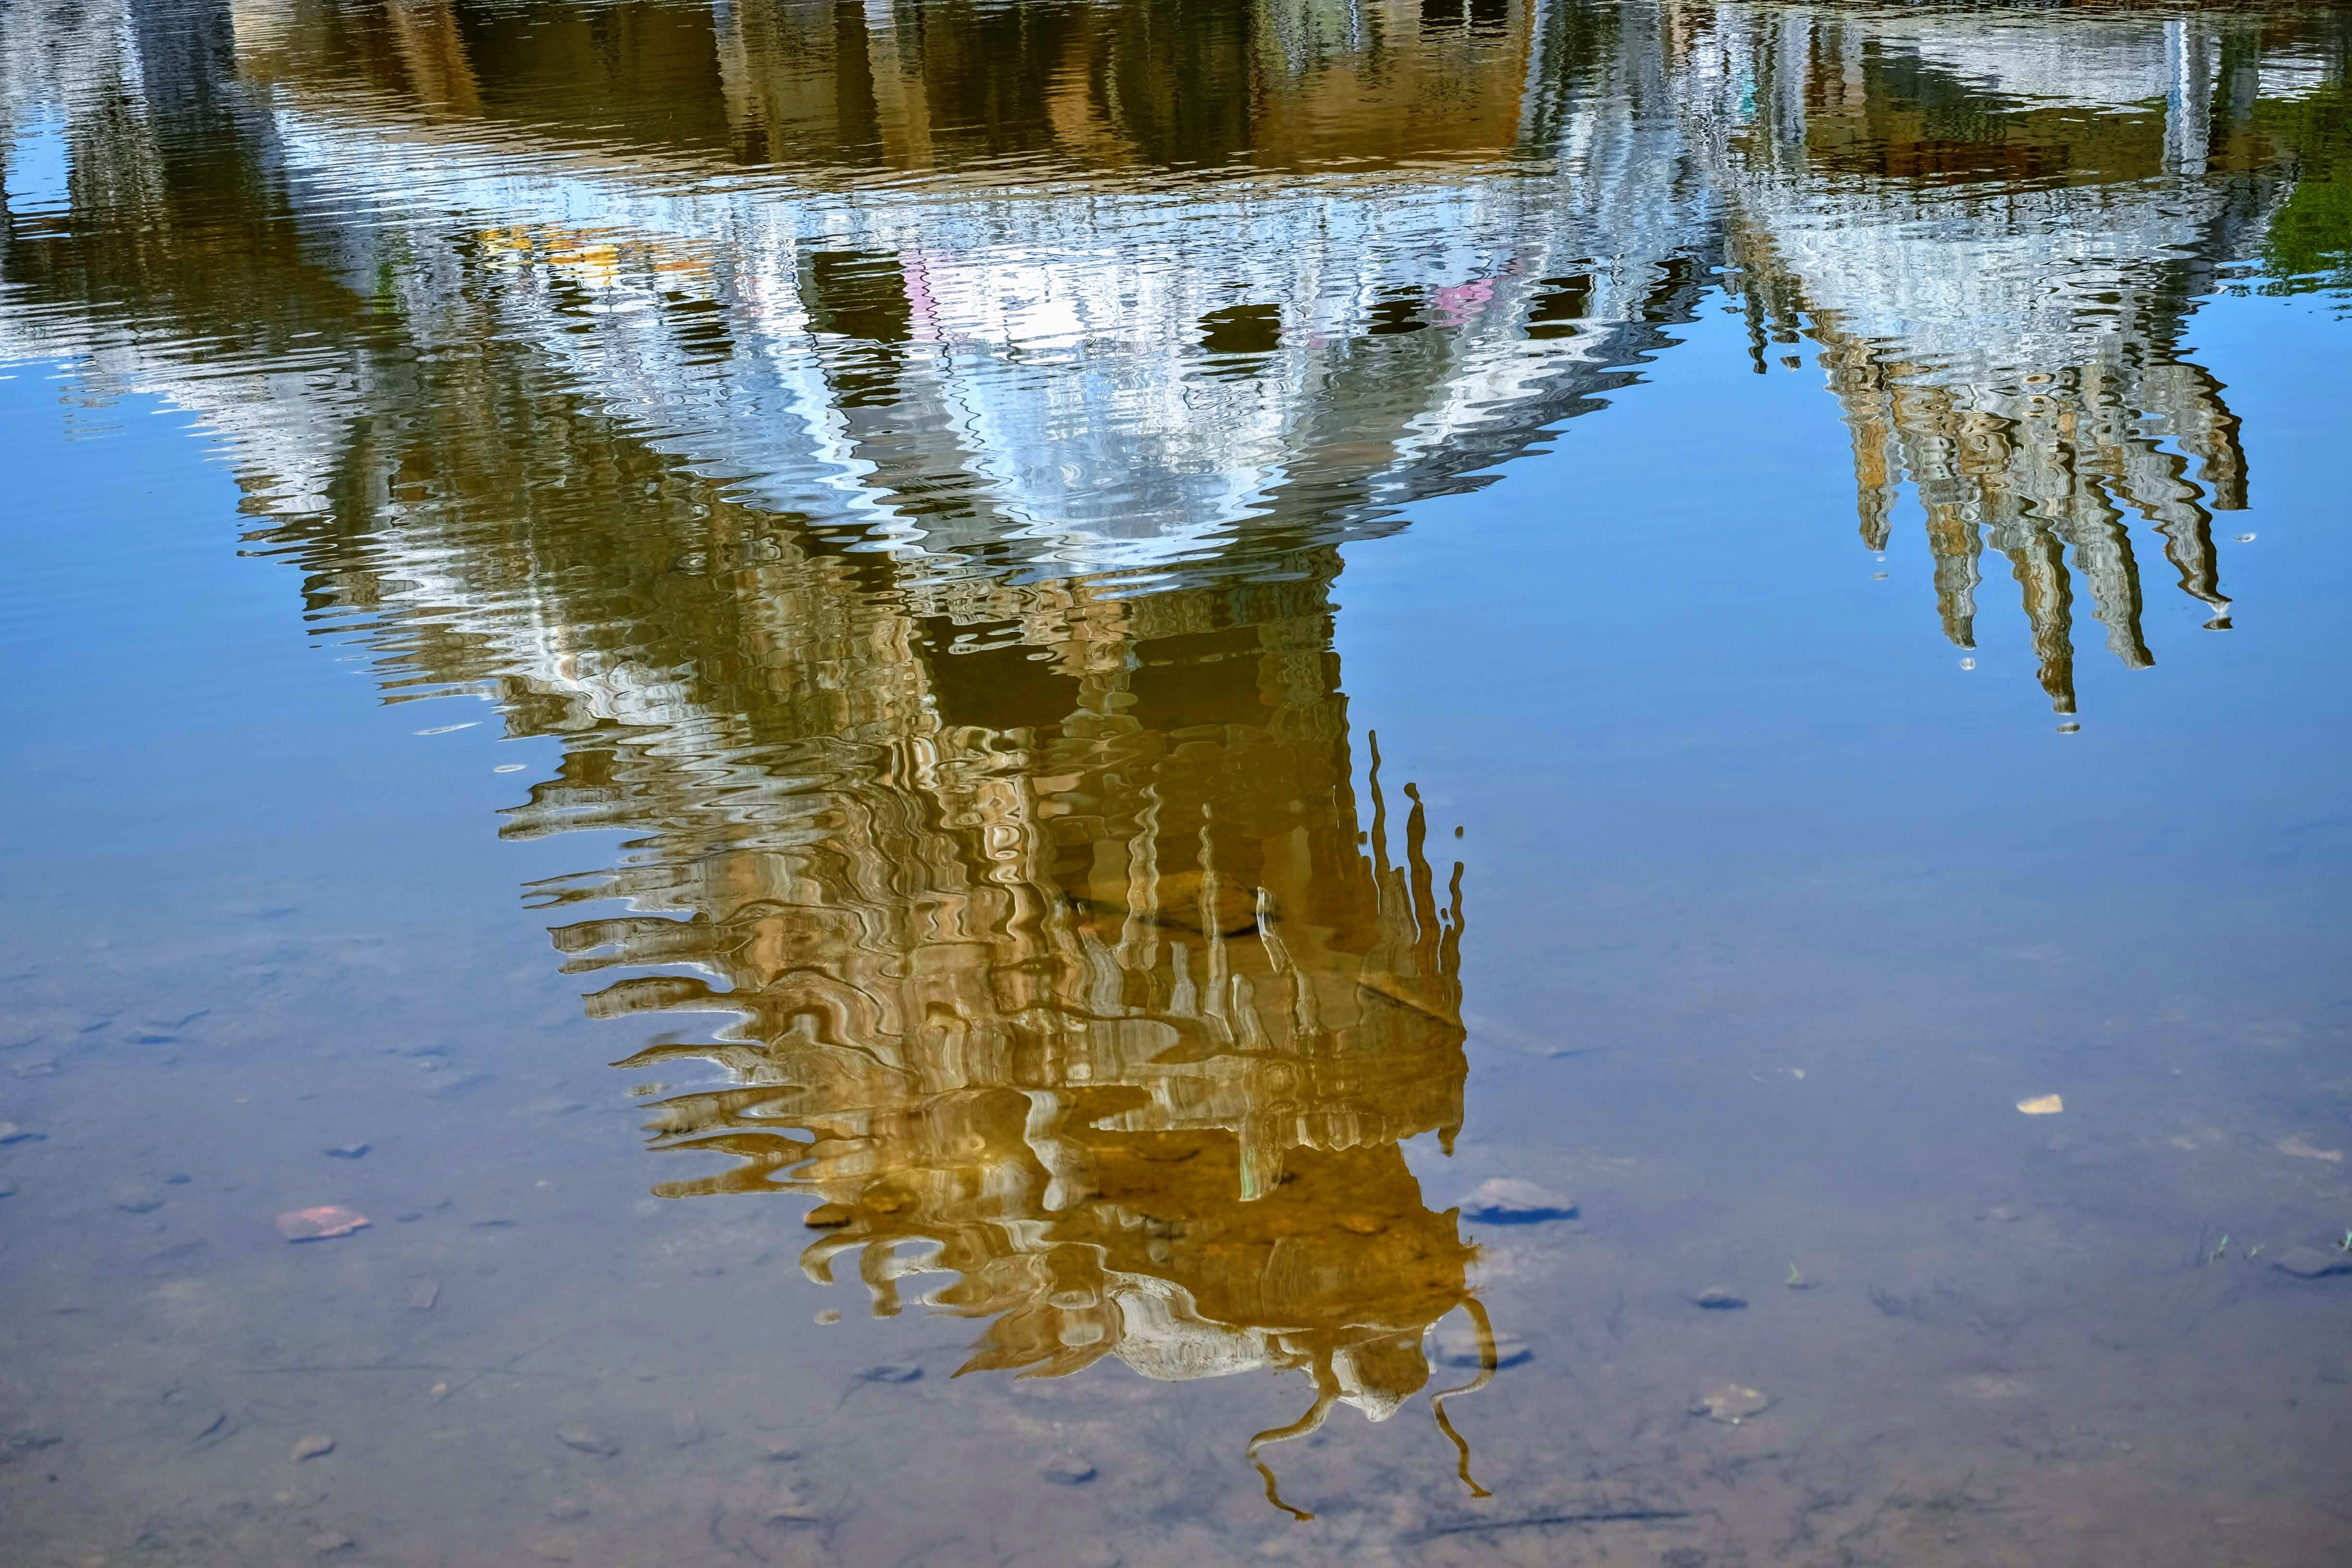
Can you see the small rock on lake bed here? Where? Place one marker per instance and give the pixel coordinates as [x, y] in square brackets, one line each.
[1731, 1404]
[1506, 1200]
[320, 1224]
[1459, 1346]
[315, 1445]
[587, 1439]
[2313, 1262]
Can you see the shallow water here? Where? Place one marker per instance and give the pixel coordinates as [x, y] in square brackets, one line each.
[912, 734]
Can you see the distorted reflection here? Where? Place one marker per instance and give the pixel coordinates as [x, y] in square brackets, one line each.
[1063, 966]
[1075, 289]
[1996, 239]
[905, 450]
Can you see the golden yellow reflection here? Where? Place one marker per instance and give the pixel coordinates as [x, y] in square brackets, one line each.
[1113, 1012]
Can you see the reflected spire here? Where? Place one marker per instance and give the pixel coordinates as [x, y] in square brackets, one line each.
[2041, 460]
[2014, 354]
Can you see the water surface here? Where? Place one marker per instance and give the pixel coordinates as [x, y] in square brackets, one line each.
[915, 734]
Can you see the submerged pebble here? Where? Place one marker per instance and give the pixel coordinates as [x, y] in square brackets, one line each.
[1731, 1404]
[586, 1440]
[312, 1446]
[1459, 1346]
[1506, 1200]
[1991, 1386]
[320, 1224]
[890, 1371]
[1716, 1299]
[349, 1151]
[130, 1198]
[2313, 1262]
[16, 1445]
[12, 1133]
[1068, 1472]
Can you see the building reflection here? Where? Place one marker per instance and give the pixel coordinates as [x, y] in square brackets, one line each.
[1151, 286]
[1062, 964]
[1997, 241]
[906, 450]
[2043, 468]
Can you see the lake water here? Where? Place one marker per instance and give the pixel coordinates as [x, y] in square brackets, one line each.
[1171, 781]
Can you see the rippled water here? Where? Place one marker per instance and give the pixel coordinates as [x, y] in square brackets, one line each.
[1172, 780]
